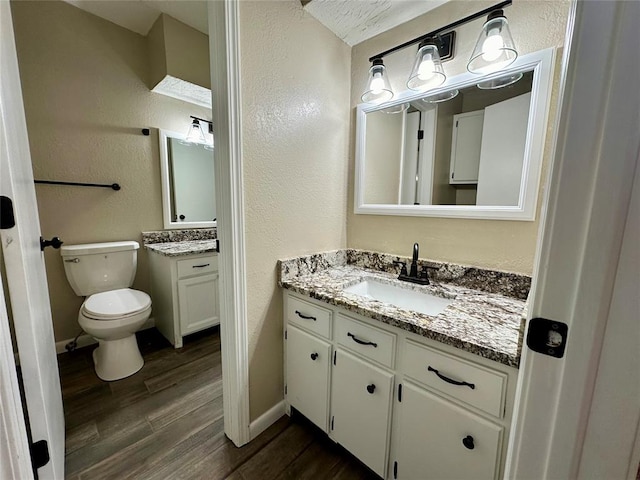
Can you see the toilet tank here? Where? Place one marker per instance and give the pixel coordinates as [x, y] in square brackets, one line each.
[99, 267]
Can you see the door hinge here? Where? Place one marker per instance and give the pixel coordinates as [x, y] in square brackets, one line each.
[7, 219]
[39, 454]
[400, 392]
[456, 123]
[332, 419]
[334, 357]
[217, 245]
[285, 389]
[285, 334]
[420, 134]
[395, 469]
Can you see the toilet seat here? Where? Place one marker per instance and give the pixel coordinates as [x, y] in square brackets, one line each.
[115, 304]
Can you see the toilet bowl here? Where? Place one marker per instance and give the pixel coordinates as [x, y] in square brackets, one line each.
[113, 318]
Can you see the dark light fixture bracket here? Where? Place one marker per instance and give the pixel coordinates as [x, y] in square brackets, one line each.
[445, 37]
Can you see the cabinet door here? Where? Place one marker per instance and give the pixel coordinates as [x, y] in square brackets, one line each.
[308, 363]
[198, 301]
[465, 147]
[430, 443]
[360, 409]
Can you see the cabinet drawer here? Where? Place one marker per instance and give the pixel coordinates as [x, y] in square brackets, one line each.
[366, 340]
[197, 266]
[476, 385]
[309, 316]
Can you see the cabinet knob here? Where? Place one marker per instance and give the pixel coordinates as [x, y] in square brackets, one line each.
[468, 442]
[371, 388]
[314, 356]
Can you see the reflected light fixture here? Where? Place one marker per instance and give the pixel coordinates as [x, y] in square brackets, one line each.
[441, 97]
[500, 81]
[495, 48]
[195, 134]
[494, 51]
[378, 87]
[427, 72]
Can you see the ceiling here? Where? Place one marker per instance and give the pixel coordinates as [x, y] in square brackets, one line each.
[140, 15]
[355, 21]
[351, 20]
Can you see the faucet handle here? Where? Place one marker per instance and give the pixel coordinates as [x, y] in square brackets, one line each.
[403, 270]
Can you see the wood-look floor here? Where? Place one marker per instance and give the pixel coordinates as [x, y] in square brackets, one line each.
[166, 422]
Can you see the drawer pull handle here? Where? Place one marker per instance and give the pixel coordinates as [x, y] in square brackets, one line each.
[371, 388]
[306, 317]
[201, 266]
[468, 442]
[361, 342]
[314, 356]
[449, 380]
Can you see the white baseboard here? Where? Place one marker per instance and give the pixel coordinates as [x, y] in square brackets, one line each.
[85, 340]
[267, 419]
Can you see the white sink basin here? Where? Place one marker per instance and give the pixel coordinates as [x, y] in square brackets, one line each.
[400, 297]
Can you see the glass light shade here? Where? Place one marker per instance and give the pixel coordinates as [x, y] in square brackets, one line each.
[378, 87]
[499, 82]
[427, 71]
[495, 48]
[441, 97]
[195, 133]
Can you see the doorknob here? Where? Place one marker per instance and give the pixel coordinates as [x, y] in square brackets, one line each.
[55, 242]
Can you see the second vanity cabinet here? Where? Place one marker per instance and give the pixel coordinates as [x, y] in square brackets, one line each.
[408, 407]
[184, 292]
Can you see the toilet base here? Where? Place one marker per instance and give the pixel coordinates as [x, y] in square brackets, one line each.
[117, 359]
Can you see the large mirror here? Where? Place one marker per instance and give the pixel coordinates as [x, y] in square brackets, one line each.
[463, 150]
[188, 188]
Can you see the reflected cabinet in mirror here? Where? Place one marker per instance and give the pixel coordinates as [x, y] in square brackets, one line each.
[188, 188]
[464, 150]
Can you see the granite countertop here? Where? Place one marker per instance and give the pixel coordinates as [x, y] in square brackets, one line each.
[487, 324]
[181, 248]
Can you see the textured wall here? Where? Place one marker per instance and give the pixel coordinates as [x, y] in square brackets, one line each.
[295, 118]
[85, 95]
[503, 245]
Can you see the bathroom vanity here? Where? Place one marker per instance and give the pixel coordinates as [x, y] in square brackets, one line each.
[412, 395]
[184, 287]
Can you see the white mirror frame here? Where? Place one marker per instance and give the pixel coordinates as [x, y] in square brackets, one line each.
[166, 187]
[541, 63]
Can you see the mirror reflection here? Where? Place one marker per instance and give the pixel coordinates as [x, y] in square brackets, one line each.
[464, 149]
[188, 182]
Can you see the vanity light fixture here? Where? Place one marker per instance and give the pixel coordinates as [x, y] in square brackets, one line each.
[496, 51]
[495, 48]
[195, 135]
[427, 72]
[378, 87]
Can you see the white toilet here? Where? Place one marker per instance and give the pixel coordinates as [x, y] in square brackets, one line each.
[112, 313]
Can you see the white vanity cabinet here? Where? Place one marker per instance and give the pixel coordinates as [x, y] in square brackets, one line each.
[184, 292]
[408, 407]
[438, 432]
[308, 359]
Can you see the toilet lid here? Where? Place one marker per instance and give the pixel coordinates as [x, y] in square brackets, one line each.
[116, 303]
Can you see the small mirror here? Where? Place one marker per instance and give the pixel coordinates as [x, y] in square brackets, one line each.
[466, 150]
[188, 183]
